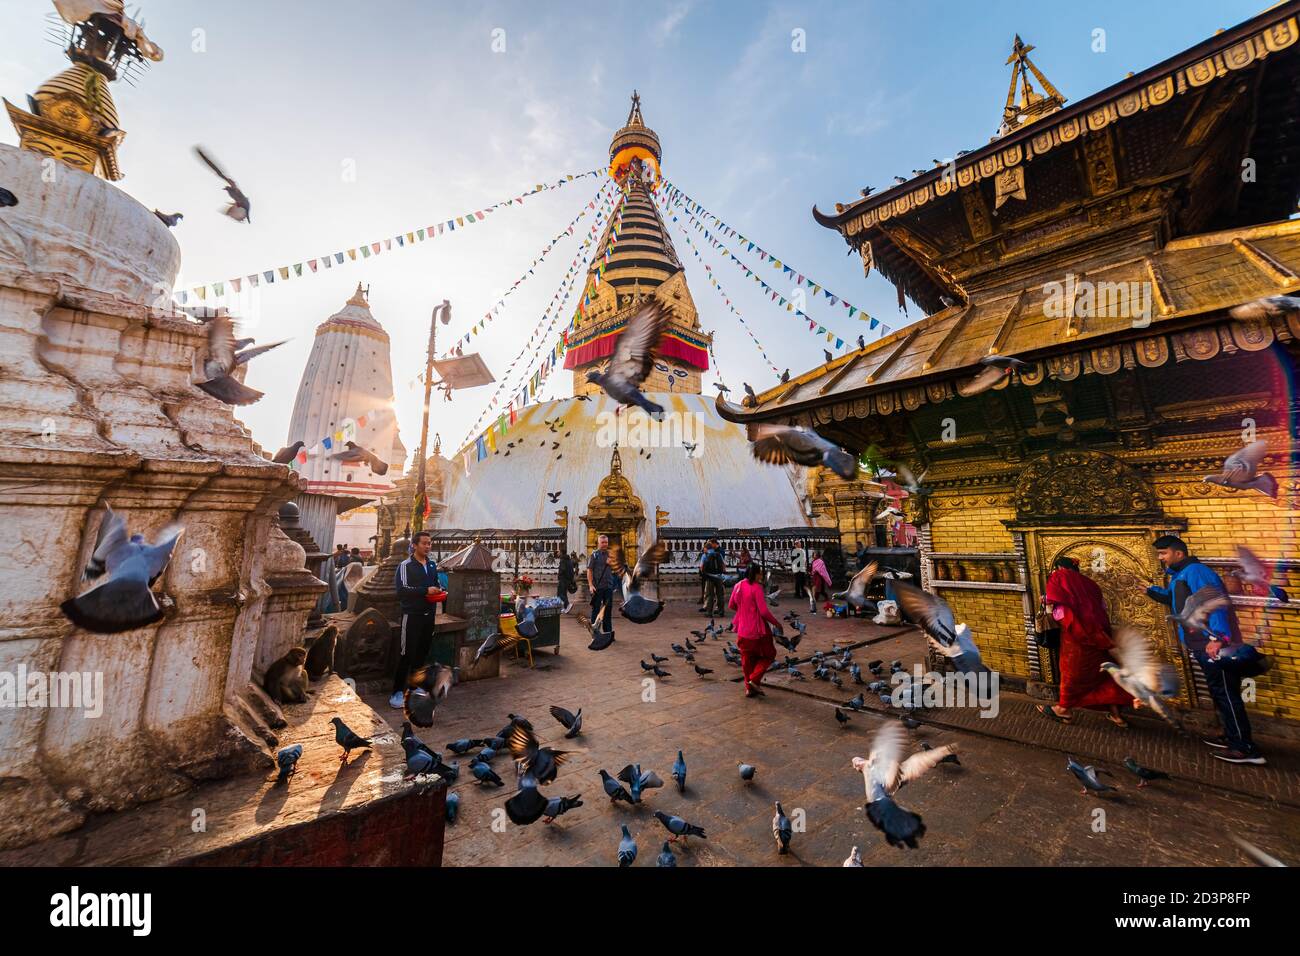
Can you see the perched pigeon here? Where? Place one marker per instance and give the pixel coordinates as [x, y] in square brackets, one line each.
[1241, 470]
[123, 601]
[169, 219]
[1142, 675]
[211, 368]
[613, 789]
[287, 760]
[666, 857]
[1088, 776]
[1144, 774]
[288, 453]
[884, 772]
[679, 772]
[747, 772]
[633, 357]
[347, 739]
[854, 858]
[240, 207]
[996, 368]
[626, 849]
[558, 806]
[781, 830]
[572, 723]
[785, 444]
[679, 827]
[638, 609]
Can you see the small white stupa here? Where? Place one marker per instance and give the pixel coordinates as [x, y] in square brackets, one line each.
[346, 395]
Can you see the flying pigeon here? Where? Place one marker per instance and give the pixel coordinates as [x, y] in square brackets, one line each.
[572, 723]
[996, 368]
[123, 601]
[352, 453]
[554, 496]
[495, 642]
[1197, 609]
[1274, 305]
[558, 806]
[632, 358]
[856, 593]
[240, 207]
[679, 772]
[528, 805]
[666, 857]
[883, 773]
[1251, 570]
[543, 762]
[287, 760]
[679, 827]
[170, 220]
[638, 609]
[426, 689]
[7, 198]
[212, 371]
[909, 482]
[626, 849]
[781, 830]
[935, 617]
[1241, 470]
[638, 780]
[346, 738]
[1144, 774]
[613, 789]
[1141, 674]
[1088, 777]
[782, 444]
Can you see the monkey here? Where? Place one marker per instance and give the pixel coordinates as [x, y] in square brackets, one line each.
[286, 679]
[320, 658]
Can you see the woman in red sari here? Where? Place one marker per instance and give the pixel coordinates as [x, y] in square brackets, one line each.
[755, 626]
[1076, 603]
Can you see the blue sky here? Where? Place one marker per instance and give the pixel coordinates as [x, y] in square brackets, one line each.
[411, 95]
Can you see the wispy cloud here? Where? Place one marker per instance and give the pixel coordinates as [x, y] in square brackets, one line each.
[666, 27]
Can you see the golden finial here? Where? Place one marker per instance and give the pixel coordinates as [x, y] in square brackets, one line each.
[1032, 105]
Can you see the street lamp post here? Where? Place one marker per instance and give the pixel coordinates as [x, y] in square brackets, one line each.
[421, 487]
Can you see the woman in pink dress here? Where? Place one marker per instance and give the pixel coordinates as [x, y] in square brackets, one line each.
[755, 626]
[819, 582]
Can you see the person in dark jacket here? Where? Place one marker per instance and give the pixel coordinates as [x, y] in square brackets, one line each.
[714, 567]
[416, 581]
[600, 581]
[565, 583]
[1224, 658]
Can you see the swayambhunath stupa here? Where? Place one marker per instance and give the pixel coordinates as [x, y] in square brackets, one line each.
[412, 458]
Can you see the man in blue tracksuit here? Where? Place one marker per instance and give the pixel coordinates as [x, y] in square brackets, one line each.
[1224, 658]
[416, 579]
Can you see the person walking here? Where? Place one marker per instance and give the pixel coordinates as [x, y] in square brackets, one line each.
[600, 580]
[714, 568]
[565, 580]
[755, 625]
[1075, 602]
[799, 567]
[1224, 657]
[416, 583]
[820, 584]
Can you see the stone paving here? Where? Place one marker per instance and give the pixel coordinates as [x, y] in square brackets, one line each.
[1009, 803]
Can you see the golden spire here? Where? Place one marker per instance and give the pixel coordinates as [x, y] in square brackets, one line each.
[1032, 105]
[360, 297]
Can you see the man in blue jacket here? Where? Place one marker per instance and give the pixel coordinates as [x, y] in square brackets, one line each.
[415, 581]
[1219, 649]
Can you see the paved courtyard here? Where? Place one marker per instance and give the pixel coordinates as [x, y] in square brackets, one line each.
[1011, 802]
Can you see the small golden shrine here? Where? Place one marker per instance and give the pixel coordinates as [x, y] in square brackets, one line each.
[615, 511]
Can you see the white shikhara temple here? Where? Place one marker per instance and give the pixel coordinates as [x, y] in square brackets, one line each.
[346, 394]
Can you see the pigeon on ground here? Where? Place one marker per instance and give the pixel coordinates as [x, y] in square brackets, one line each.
[169, 219]
[211, 368]
[996, 368]
[785, 444]
[702, 671]
[572, 723]
[1141, 674]
[123, 601]
[660, 672]
[853, 859]
[679, 772]
[287, 760]
[1274, 305]
[346, 738]
[782, 831]
[464, 744]
[1251, 570]
[288, 453]
[453, 807]
[638, 780]
[485, 774]
[943, 634]
[747, 772]
[633, 357]
[1144, 774]
[1241, 470]
[841, 718]
[679, 827]
[884, 772]
[240, 207]
[666, 857]
[626, 849]
[857, 703]
[635, 607]
[613, 789]
[542, 761]
[1088, 776]
[528, 805]
[558, 806]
